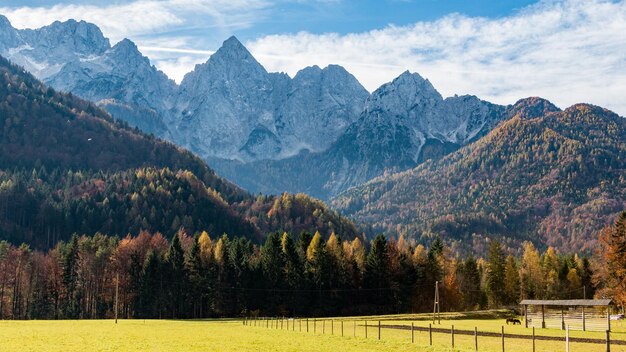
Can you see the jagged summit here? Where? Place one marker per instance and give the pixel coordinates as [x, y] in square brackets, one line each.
[8, 35]
[126, 52]
[407, 95]
[235, 53]
[4, 21]
[232, 43]
[71, 36]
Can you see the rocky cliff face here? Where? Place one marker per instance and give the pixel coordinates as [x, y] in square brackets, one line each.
[231, 108]
[76, 57]
[319, 132]
[403, 124]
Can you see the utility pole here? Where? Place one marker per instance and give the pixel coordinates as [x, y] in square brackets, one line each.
[436, 308]
[117, 284]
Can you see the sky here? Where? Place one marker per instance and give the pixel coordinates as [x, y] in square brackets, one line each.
[567, 51]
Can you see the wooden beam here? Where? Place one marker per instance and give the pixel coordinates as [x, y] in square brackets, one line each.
[526, 315]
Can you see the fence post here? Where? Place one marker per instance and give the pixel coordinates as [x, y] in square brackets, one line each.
[502, 338]
[323, 326]
[307, 324]
[608, 341]
[342, 328]
[354, 328]
[332, 327]
[379, 329]
[366, 329]
[314, 326]
[533, 339]
[567, 338]
[452, 333]
[412, 333]
[430, 334]
[476, 338]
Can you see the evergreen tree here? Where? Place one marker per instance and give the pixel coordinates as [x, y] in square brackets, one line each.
[470, 283]
[511, 282]
[496, 274]
[197, 276]
[177, 283]
[151, 292]
[377, 273]
[293, 274]
[71, 304]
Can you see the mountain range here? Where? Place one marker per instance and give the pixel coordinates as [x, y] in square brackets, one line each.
[67, 167]
[319, 132]
[401, 160]
[549, 176]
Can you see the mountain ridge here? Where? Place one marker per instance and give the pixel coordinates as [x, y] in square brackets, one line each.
[67, 167]
[554, 179]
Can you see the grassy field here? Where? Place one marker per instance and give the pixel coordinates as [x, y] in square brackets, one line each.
[231, 335]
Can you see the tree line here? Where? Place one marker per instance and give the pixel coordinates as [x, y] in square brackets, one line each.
[305, 275]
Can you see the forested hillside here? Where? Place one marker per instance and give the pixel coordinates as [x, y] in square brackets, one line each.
[66, 167]
[555, 180]
[42, 127]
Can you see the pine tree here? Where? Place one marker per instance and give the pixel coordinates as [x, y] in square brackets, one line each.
[511, 281]
[151, 292]
[495, 274]
[377, 273]
[293, 274]
[177, 278]
[196, 272]
[71, 306]
[470, 283]
[272, 261]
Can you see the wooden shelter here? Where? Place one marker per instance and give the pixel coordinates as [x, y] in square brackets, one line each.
[579, 314]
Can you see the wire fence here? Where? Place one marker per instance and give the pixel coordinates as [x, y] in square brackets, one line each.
[489, 338]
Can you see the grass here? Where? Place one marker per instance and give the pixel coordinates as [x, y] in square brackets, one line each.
[231, 335]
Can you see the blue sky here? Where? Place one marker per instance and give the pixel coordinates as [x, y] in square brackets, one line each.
[568, 51]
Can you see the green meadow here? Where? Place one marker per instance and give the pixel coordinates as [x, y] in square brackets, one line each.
[323, 335]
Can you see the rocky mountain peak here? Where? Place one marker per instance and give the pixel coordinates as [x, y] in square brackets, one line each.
[231, 62]
[406, 92]
[126, 52]
[4, 22]
[77, 36]
[232, 56]
[8, 34]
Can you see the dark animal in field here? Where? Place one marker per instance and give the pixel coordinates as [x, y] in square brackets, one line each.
[513, 321]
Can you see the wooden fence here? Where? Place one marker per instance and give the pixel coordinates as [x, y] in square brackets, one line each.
[343, 327]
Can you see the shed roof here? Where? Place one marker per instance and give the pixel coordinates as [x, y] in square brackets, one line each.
[567, 302]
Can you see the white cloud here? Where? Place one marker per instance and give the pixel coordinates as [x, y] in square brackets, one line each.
[141, 17]
[566, 51]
